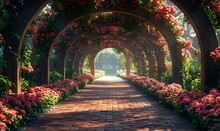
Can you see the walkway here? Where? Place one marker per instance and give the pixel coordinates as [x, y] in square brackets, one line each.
[110, 104]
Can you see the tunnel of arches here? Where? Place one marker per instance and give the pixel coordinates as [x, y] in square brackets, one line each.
[108, 60]
[128, 16]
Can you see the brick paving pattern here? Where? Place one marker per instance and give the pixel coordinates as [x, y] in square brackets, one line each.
[110, 104]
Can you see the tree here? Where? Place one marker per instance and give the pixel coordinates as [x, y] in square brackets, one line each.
[108, 61]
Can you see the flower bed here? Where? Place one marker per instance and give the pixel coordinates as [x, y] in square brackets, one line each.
[18, 109]
[203, 109]
[83, 80]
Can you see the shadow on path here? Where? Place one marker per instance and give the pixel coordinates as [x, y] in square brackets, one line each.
[110, 104]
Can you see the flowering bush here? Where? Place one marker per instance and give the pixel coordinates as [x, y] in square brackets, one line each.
[202, 108]
[18, 109]
[206, 109]
[27, 69]
[166, 13]
[65, 87]
[212, 8]
[83, 80]
[8, 117]
[183, 43]
[216, 54]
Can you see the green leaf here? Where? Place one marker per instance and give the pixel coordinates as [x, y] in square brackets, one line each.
[17, 36]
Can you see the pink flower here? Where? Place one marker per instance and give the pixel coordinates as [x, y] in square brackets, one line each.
[16, 108]
[22, 112]
[214, 92]
[9, 92]
[2, 117]
[20, 117]
[2, 126]
[218, 112]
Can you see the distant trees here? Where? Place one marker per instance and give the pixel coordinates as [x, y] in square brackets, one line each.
[109, 61]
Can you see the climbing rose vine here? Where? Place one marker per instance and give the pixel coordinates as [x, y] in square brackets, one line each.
[216, 54]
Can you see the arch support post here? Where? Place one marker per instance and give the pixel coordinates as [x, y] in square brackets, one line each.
[201, 24]
[77, 65]
[69, 69]
[12, 70]
[44, 77]
[92, 63]
[81, 63]
[61, 64]
[128, 64]
[160, 62]
[140, 63]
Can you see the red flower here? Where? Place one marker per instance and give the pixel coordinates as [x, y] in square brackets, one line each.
[2, 117]
[22, 112]
[18, 102]
[2, 126]
[27, 104]
[20, 117]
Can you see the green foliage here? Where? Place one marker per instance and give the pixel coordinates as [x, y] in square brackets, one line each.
[134, 66]
[108, 61]
[2, 62]
[102, 73]
[119, 72]
[27, 77]
[217, 122]
[86, 71]
[6, 16]
[49, 100]
[5, 84]
[214, 16]
[31, 78]
[82, 85]
[53, 59]
[191, 75]
[87, 62]
[26, 56]
[167, 77]
[55, 76]
[24, 84]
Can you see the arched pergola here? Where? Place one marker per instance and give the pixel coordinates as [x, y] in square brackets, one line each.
[80, 57]
[27, 12]
[160, 59]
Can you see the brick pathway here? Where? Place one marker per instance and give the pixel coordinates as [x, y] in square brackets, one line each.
[110, 104]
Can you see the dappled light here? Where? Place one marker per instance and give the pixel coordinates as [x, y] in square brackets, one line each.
[110, 107]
